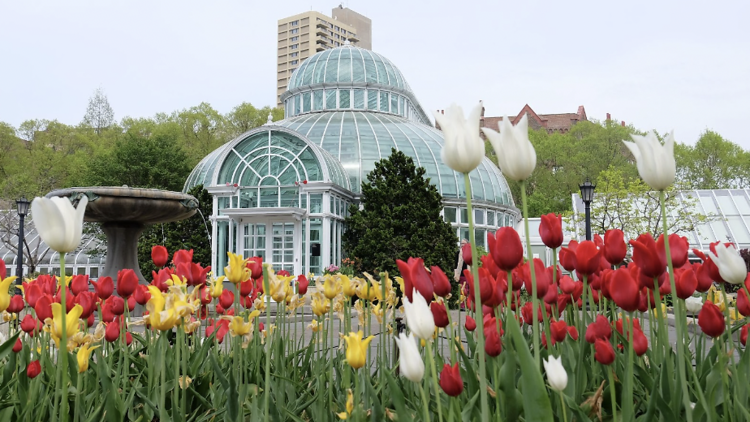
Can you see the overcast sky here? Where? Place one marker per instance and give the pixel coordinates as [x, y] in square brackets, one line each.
[682, 65]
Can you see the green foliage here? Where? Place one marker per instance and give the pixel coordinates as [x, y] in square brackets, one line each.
[191, 233]
[400, 218]
[712, 163]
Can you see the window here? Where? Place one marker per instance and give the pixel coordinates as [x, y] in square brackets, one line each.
[294, 31]
[337, 36]
[478, 216]
[294, 46]
[295, 54]
[337, 43]
[294, 62]
[294, 39]
[336, 28]
[295, 23]
[449, 214]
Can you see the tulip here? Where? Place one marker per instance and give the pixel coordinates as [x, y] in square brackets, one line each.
[117, 305]
[568, 256]
[439, 314]
[573, 332]
[112, 333]
[34, 368]
[492, 344]
[551, 231]
[450, 380]
[43, 307]
[515, 153]
[237, 271]
[410, 363]
[255, 265]
[485, 284]
[32, 293]
[686, 283]
[556, 375]
[441, 285]
[587, 258]
[158, 317]
[182, 256]
[624, 290]
[320, 306]
[731, 265]
[159, 255]
[356, 349]
[4, 296]
[506, 248]
[18, 346]
[302, 285]
[416, 278]
[743, 334]
[599, 329]
[646, 257]
[58, 223]
[541, 275]
[71, 321]
[743, 304]
[84, 353]
[80, 283]
[142, 294]
[331, 288]
[104, 287]
[615, 247]
[28, 324]
[655, 161]
[604, 352]
[419, 317]
[558, 330]
[463, 149]
[711, 320]
[678, 249]
[16, 304]
[226, 299]
[694, 304]
[470, 324]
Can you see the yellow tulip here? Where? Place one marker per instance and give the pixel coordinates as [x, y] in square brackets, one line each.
[237, 270]
[348, 286]
[331, 288]
[277, 287]
[314, 326]
[176, 281]
[349, 405]
[369, 290]
[716, 297]
[84, 353]
[71, 321]
[239, 327]
[356, 349]
[400, 282]
[320, 306]
[217, 287]
[4, 296]
[159, 318]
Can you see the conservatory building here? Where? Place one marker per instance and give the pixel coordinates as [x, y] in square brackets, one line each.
[281, 191]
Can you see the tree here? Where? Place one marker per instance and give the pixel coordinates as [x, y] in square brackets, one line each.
[713, 163]
[32, 253]
[399, 218]
[99, 114]
[143, 162]
[628, 204]
[191, 233]
[245, 117]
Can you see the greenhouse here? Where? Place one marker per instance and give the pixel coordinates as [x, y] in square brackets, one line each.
[281, 191]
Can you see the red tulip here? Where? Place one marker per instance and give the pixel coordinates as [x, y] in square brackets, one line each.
[16, 304]
[416, 277]
[255, 264]
[439, 314]
[128, 338]
[470, 324]
[33, 369]
[32, 293]
[204, 294]
[686, 282]
[646, 256]
[485, 284]
[18, 346]
[87, 300]
[567, 285]
[489, 263]
[678, 249]
[182, 256]
[599, 329]
[302, 285]
[506, 248]
[131, 303]
[598, 240]
[743, 305]
[541, 276]
[587, 258]
[117, 305]
[127, 281]
[624, 290]
[558, 330]
[450, 380]
[159, 255]
[141, 294]
[246, 287]
[704, 278]
[226, 299]
[3, 270]
[48, 283]
[527, 312]
[604, 352]
[573, 332]
[90, 320]
[80, 283]
[743, 334]
[640, 342]
[160, 279]
[107, 314]
[43, 307]
[104, 287]
[466, 254]
[441, 285]
[711, 320]
[492, 344]
[112, 332]
[551, 230]
[615, 247]
[29, 323]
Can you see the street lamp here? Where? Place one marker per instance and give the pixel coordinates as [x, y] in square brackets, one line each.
[23, 210]
[587, 195]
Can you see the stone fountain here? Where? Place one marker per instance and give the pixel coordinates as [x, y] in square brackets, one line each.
[124, 213]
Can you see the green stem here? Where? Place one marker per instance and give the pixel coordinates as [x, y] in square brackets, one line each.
[679, 317]
[63, 349]
[330, 360]
[530, 257]
[562, 405]
[431, 358]
[267, 384]
[78, 397]
[477, 304]
[425, 404]
[176, 390]
[612, 391]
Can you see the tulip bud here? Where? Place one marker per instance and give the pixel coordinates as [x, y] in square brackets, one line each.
[141, 294]
[711, 320]
[604, 352]
[59, 224]
[131, 303]
[127, 281]
[419, 317]
[43, 307]
[410, 365]
[17, 346]
[182, 256]
[80, 283]
[466, 254]
[731, 265]
[112, 333]
[463, 149]
[33, 369]
[587, 258]
[558, 330]
[550, 230]
[226, 299]
[516, 156]
[743, 334]
[302, 285]
[450, 380]
[16, 304]
[506, 248]
[441, 285]
[556, 375]
[492, 344]
[28, 324]
[470, 324]
[439, 314]
[159, 255]
[694, 304]
[615, 248]
[104, 287]
[686, 283]
[32, 293]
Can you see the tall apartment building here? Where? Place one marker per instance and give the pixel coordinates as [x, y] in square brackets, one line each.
[300, 36]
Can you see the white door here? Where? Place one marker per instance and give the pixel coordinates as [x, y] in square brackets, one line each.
[277, 242]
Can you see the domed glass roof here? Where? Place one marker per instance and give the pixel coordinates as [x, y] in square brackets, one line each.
[348, 64]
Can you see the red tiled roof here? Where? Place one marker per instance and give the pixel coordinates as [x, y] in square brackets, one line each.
[551, 122]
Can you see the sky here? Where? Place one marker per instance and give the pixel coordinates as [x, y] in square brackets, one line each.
[662, 65]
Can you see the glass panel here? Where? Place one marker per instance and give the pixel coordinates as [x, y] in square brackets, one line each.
[359, 99]
[344, 101]
[708, 203]
[464, 233]
[726, 205]
[303, 201]
[478, 216]
[297, 104]
[491, 218]
[316, 203]
[450, 214]
[741, 200]
[383, 101]
[94, 272]
[316, 232]
[269, 197]
[394, 104]
[464, 216]
[331, 99]
[738, 228]
[289, 196]
[358, 67]
[248, 198]
[345, 66]
[372, 99]
[481, 238]
[306, 101]
[318, 100]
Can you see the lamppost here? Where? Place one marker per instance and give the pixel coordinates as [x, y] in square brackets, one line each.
[587, 195]
[23, 210]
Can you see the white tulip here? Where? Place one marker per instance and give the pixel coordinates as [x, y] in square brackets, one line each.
[556, 375]
[419, 316]
[410, 362]
[655, 161]
[731, 265]
[463, 149]
[694, 304]
[58, 223]
[516, 156]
